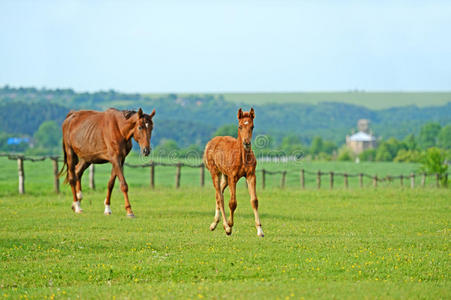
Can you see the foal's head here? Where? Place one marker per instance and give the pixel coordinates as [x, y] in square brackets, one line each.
[143, 131]
[245, 127]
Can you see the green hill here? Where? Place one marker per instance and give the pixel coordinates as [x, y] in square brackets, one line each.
[372, 100]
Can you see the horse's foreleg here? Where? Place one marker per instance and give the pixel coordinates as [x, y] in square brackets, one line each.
[108, 193]
[124, 188]
[232, 202]
[252, 186]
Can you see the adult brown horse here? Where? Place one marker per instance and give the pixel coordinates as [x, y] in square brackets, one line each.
[228, 159]
[92, 137]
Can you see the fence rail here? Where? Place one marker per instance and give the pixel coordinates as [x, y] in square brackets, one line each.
[179, 165]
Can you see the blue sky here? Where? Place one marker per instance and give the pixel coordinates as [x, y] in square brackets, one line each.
[226, 46]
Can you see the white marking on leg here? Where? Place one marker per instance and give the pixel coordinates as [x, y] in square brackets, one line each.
[77, 207]
[107, 210]
[79, 195]
[260, 231]
[216, 221]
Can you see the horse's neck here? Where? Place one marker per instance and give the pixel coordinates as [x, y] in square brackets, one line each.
[243, 152]
[126, 126]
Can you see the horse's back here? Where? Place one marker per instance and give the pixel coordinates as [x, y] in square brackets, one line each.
[84, 131]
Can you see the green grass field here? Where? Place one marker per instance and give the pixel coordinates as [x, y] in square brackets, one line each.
[373, 100]
[388, 242]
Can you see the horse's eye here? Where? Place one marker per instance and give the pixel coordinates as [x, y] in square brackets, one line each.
[240, 127]
[140, 127]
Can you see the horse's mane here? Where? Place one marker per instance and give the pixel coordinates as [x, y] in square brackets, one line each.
[128, 113]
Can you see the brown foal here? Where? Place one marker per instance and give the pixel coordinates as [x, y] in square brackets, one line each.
[92, 137]
[228, 159]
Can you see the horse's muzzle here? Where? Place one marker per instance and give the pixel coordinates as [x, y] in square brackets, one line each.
[146, 151]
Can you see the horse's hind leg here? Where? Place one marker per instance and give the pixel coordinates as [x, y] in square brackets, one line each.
[79, 169]
[72, 178]
[220, 201]
[218, 211]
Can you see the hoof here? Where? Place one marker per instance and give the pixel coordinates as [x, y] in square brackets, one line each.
[131, 216]
[107, 211]
[76, 207]
[228, 230]
[260, 232]
[213, 226]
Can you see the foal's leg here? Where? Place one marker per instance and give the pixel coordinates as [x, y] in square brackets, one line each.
[71, 160]
[232, 202]
[79, 169]
[252, 186]
[220, 201]
[119, 170]
[217, 212]
[108, 193]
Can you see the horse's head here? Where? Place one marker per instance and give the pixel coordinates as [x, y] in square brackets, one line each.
[245, 127]
[143, 131]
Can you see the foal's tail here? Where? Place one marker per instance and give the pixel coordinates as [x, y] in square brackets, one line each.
[63, 170]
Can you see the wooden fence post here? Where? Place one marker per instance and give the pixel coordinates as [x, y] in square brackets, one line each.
[21, 175]
[361, 180]
[263, 178]
[282, 181]
[331, 184]
[423, 180]
[92, 183]
[318, 179]
[412, 180]
[437, 180]
[375, 181]
[152, 175]
[202, 175]
[401, 179]
[302, 179]
[178, 175]
[345, 175]
[56, 181]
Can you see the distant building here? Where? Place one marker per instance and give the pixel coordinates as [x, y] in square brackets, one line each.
[363, 139]
[17, 140]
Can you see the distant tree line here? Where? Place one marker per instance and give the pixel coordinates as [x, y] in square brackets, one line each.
[189, 121]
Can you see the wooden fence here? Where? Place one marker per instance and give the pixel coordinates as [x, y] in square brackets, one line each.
[178, 174]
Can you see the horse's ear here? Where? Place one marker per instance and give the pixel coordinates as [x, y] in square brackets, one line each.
[252, 113]
[152, 113]
[240, 114]
[140, 113]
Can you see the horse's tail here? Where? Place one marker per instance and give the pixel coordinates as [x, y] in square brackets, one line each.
[65, 167]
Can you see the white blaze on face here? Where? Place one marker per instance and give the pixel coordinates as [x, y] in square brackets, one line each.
[246, 122]
[147, 125]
